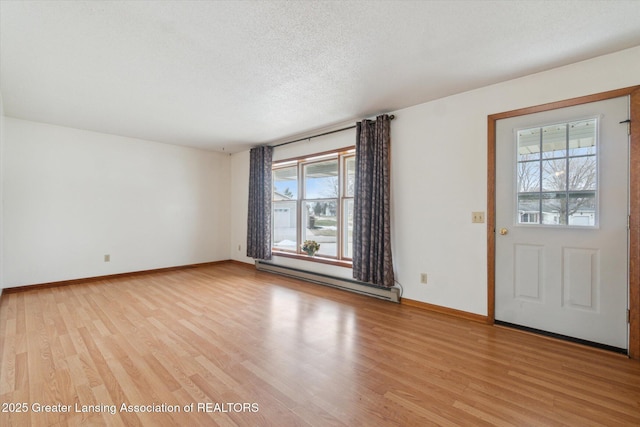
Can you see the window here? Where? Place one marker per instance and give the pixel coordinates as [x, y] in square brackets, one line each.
[313, 200]
[557, 174]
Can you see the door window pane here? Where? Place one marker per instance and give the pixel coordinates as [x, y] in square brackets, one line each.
[529, 144]
[582, 137]
[582, 173]
[582, 208]
[554, 141]
[529, 208]
[554, 208]
[554, 175]
[528, 176]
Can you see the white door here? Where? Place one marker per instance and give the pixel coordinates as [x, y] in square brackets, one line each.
[561, 221]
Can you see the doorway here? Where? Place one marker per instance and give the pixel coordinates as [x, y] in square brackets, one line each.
[552, 255]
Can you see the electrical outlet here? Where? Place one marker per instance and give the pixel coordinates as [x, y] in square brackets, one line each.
[477, 217]
[107, 258]
[423, 278]
[239, 248]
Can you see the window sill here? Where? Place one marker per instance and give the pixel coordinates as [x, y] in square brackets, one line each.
[318, 259]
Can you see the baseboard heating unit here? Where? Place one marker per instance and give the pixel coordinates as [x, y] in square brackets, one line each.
[389, 294]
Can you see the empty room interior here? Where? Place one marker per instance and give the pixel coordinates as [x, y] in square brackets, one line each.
[313, 213]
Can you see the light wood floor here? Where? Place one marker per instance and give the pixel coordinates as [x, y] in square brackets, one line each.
[287, 353]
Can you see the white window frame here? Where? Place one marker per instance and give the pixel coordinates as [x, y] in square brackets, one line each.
[567, 158]
[341, 155]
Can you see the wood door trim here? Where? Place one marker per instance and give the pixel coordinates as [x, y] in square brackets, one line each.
[634, 195]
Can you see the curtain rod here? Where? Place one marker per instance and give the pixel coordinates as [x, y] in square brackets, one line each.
[391, 117]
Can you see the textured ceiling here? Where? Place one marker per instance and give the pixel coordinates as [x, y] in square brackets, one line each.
[237, 74]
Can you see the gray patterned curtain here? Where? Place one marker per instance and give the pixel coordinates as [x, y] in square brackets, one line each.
[372, 260]
[259, 217]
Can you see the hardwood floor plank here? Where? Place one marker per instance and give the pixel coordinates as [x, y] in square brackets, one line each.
[429, 415]
[16, 418]
[296, 353]
[8, 373]
[111, 382]
[509, 410]
[572, 391]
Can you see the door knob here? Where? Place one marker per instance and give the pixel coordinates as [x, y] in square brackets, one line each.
[503, 231]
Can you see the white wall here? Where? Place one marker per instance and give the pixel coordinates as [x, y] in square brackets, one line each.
[72, 196]
[439, 168]
[1, 192]
[239, 206]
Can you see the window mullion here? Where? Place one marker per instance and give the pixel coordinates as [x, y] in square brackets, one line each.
[566, 168]
[541, 175]
[340, 206]
[301, 190]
